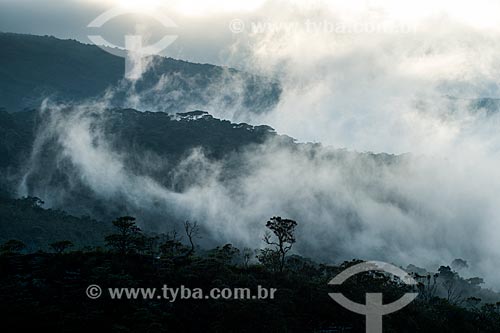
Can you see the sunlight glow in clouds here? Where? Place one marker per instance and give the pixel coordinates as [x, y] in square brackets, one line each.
[139, 5]
[193, 7]
[480, 14]
[204, 7]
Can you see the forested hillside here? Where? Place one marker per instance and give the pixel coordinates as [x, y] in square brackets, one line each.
[33, 68]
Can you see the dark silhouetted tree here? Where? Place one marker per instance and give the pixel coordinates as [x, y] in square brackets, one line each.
[459, 264]
[283, 239]
[247, 256]
[172, 247]
[12, 246]
[270, 259]
[33, 202]
[451, 285]
[225, 254]
[61, 246]
[129, 237]
[427, 286]
[192, 232]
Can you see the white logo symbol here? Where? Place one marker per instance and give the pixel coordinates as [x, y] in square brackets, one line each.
[237, 26]
[93, 291]
[133, 43]
[374, 309]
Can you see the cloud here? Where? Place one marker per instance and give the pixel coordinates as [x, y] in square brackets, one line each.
[364, 91]
[390, 92]
[408, 209]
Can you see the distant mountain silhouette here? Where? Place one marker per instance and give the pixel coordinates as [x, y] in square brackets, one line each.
[26, 220]
[33, 68]
[137, 136]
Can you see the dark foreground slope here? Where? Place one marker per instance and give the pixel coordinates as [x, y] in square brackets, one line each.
[26, 220]
[47, 292]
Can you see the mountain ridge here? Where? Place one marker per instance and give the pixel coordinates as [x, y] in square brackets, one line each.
[34, 67]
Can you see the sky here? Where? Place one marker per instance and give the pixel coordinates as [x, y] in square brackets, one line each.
[204, 27]
[203, 30]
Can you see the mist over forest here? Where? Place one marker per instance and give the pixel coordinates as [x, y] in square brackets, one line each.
[377, 145]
